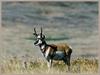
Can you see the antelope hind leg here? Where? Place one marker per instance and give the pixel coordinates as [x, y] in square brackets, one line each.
[67, 62]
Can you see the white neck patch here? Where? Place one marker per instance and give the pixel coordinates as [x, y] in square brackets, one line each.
[43, 46]
[47, 52]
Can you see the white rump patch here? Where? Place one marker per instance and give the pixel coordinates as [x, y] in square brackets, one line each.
[70, 47]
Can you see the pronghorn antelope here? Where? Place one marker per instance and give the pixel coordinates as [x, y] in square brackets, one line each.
[51, 51]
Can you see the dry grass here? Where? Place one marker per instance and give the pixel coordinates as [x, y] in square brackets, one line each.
[78, 65]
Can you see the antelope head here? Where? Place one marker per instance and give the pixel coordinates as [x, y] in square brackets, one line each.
[39, 37]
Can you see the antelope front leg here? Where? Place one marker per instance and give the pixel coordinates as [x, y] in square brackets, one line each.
[49, 63]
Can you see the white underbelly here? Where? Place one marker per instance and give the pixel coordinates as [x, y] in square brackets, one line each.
[58, 55]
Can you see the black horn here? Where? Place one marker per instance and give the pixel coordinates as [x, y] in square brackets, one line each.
[34, 32]
[41, 32]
